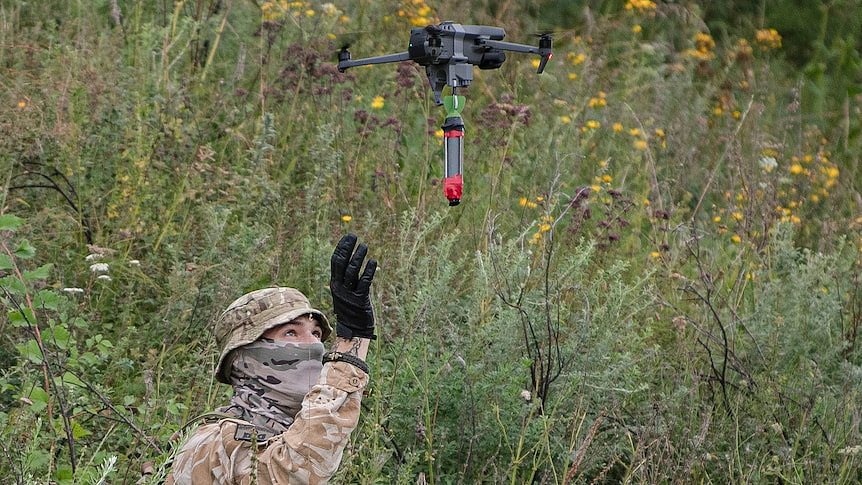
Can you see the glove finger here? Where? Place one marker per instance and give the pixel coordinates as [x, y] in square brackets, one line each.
[351, 274]
[364, 285]
[341, 255]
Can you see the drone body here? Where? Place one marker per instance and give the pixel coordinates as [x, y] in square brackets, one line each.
[448, 52]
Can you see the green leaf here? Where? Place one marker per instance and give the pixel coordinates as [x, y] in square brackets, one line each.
[8, 222]
[25, 250]
[30, 351]
[6, 262]
[46, 299]
[13, 285]
[69, 378]
[58, 336]
[89, 358]
[79, 431]
[64, 474]
[39, 399]
[37, 459]
[21, 320]
[40, 273]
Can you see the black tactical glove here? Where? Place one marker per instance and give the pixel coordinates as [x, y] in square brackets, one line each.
[351, 300]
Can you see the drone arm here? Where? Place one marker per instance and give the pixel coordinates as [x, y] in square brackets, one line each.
[543, 51]
[511, 46]
[344, 64]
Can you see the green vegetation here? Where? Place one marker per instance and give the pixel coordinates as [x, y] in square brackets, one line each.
[654, 275]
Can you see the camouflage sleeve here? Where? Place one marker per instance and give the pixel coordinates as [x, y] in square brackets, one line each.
[311, 449]
[308, 452]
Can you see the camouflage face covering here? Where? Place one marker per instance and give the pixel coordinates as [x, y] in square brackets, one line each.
[270, 380]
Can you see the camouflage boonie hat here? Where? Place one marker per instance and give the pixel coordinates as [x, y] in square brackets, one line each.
[252, 314]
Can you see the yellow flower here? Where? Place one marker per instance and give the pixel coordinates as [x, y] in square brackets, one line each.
[607, 179]
[635, 132]
[814, 198]
[22, 104]
[655, 254]
[736, 239]
[717, 111]
[736, 114]
[796, 169]
[565, 119]
[636, 28]
[377, 102]
[522, 201]
[716, 219]
[576, 59]
[598, 101]
[833, 172]
[641, 5]
[439, 133]
[768, 39]
[737, 216]
[346, 218]
[795, 219]
[573, 76]
[535, 63]
[659, 132]
[545, 227]
[531, 204]
[593, 124]
[640, 145]
[596, 188]
[618, 127]
[539, 198]
[309, 13]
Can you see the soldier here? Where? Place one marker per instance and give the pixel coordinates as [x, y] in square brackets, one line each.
[294, 406]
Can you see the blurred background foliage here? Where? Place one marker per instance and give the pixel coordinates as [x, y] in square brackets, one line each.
[653, 277]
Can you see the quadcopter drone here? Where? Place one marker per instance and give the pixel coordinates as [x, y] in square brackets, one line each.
[449, 51]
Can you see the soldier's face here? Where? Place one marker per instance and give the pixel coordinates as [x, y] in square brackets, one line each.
[301, 330]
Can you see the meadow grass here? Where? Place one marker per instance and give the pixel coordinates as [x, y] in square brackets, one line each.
[653, 277]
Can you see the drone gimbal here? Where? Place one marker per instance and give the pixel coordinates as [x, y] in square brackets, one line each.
[449, 51]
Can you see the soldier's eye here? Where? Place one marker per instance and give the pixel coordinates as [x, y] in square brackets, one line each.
[290, 333]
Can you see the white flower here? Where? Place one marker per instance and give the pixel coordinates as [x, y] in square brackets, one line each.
[526, 395]
[850, 450]
[768, 163]
[330, 9]
[73, 290]
[99, 267]
[104, 277]
[135, 262]
[93, 257]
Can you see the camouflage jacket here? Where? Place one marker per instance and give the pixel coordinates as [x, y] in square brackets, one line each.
[308, 452]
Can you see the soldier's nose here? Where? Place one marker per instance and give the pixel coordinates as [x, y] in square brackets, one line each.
[307, 338]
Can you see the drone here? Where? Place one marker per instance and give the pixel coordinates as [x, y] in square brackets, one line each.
[449, 51]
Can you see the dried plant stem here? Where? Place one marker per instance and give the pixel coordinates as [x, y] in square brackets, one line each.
[582, 450]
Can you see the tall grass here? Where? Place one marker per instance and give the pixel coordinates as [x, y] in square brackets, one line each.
[653, 276]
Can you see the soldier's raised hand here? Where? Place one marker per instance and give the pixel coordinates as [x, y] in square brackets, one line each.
[351, 293]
